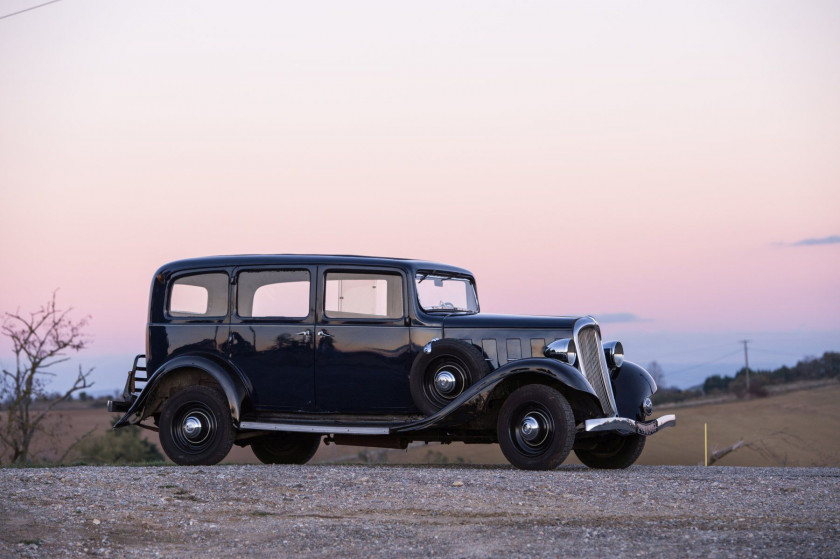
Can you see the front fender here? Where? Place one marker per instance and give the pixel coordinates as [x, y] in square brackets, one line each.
[233, 388]
[551, 369]
[631, 385]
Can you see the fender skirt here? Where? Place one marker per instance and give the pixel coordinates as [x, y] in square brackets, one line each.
[233, 388]
[550, 368]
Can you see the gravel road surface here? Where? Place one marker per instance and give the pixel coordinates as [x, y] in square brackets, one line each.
[411, 511]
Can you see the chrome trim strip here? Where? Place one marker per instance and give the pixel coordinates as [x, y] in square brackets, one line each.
[586, 322]
[324, 429]
[629, 426]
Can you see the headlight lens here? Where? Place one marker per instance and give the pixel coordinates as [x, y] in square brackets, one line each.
[563, 350]
[614, 352]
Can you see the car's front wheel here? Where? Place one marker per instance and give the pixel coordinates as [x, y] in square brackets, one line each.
[536, 428]
[196, 427]
[613, 452]
[286, 448]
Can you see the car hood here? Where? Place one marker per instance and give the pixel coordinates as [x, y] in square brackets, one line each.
[509, 321]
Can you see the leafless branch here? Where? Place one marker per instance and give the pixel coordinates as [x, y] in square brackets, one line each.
[39, 341]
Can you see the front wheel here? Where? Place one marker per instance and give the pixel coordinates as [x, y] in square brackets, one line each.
[286, 448]
[196, 427]
[536, 428]
[614, 452]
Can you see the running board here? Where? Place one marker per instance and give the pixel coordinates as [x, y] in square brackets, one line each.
[324, 429]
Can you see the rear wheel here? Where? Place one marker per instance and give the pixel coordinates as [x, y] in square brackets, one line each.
[536, 428]
[196, 427]
[286, 448]
[614, 452]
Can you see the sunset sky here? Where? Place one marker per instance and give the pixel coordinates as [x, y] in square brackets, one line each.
[672, 168]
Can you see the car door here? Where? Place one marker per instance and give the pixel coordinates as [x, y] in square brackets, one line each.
[271, 335]
[363, 350]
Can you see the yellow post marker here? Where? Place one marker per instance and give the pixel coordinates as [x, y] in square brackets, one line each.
[706, 442]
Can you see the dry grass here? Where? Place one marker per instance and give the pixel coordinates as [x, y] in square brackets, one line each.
[799, 428]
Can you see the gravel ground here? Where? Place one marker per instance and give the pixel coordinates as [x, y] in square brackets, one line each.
[395, 511]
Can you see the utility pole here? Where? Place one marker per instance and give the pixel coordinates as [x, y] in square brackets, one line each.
[746, 366]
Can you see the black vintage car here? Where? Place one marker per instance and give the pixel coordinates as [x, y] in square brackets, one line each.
[280, 351]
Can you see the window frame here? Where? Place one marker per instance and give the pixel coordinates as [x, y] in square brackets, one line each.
[205, 319]
[366, 270]
[236, 318]
[470, 279]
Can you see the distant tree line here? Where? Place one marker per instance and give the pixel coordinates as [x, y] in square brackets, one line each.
[809, 368]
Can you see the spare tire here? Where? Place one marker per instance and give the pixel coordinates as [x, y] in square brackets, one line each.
[440, 376]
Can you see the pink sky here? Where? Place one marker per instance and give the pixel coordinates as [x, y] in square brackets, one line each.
[653, 159]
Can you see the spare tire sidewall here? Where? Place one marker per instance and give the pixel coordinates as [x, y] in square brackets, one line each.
[462, 359]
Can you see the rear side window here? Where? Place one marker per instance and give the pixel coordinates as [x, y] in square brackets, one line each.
[363, 295]
[275, 294]
[200, 295]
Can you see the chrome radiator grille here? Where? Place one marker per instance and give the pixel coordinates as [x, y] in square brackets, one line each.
[594, 367]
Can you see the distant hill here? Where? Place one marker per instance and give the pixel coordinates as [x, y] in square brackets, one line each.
[761, 381]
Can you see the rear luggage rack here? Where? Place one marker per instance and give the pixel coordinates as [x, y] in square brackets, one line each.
[131, 390]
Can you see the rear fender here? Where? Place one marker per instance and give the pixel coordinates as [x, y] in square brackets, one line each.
[233, 387]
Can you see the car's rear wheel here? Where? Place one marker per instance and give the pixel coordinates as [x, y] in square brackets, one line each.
[196, 427]
[438, 377]
[536, 428]
[613, 452]
[286, 448]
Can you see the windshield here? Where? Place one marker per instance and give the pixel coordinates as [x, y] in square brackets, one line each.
[442, 293]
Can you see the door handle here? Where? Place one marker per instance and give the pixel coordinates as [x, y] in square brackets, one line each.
[323, 334]
[305, 334]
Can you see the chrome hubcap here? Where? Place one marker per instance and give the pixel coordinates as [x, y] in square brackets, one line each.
[445, 382]
[533, 430]
[530, 428]
[196, 427]
[192, 426]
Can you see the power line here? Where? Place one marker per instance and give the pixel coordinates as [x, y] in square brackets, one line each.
[722, 357]
[798, 356]
[30, 9]
[693, 350]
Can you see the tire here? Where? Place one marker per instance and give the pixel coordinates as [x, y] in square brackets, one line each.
[196, 427]
[286, 448]
[536, 428]
[462, 360]
[614, 452]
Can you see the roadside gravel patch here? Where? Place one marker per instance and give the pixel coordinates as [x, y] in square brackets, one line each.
[414, 511]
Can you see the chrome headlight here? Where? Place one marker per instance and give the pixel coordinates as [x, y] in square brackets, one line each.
[614, 352]
[564, 350]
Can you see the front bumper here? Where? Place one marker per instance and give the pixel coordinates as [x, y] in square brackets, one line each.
[627, 426]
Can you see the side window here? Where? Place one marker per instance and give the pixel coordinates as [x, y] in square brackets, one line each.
[278, 293]
[360, 295]
[201, 295]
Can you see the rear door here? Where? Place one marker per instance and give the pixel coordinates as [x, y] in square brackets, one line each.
[363, 349]
[271, 335]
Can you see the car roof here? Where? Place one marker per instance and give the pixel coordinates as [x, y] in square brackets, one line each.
[307, 259]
